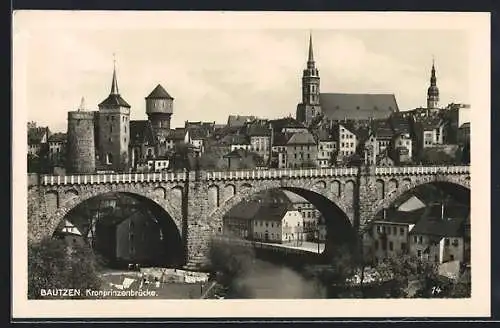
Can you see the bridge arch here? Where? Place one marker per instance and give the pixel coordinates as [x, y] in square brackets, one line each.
[459, 186]
[338, 215]
[149, 194]
[111, 231]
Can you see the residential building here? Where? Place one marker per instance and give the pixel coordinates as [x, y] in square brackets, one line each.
[388, 235]
[57, 148]
[37, 139]
[264, 221]
[143, 146]
[301, 150]
[259, 134]
[327, 148]
[402, 146]
[347, 141]
[464, 134]
[238, 121]
[439, 236]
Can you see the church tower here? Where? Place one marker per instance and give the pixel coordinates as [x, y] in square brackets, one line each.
[114, 132]
[310, 106]
[433, 91]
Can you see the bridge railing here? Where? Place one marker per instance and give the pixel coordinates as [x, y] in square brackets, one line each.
[113, 178]
[280, 173]
[238, 175]
[404, 170]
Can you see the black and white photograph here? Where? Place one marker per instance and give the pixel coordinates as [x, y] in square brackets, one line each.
[212, 157]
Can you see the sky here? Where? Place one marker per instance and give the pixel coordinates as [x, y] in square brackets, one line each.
[214, 72]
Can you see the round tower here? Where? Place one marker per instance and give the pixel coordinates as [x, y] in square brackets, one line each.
[81, 143]
[159, 108]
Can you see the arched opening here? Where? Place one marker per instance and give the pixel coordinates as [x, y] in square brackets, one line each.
[380, 189]
[213, 196]
[290, 216]
[430, 221]
[124, 228]
[229, 191]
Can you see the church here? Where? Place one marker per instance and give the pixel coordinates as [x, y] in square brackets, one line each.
[340, 106]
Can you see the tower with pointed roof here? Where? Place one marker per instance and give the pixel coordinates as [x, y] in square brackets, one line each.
[114, 132]
[310, 106]
[159, 108]
[433, 91]
[80, 156]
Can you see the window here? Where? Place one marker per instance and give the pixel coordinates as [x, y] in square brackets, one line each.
[415, 239]
[420, 239]
[419, 253]
[452, 257]
[401, 231]
[403, 247]
[388, 230]
[107, 118]
[391, 246]
[394, 231]
[436, 258]
[446, 242]
[384, 245]
[455, 242]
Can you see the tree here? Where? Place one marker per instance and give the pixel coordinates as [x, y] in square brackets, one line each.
[230, 262]
[54, 264]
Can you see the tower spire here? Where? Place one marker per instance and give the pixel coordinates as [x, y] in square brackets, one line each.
[433, 91]
[114, 83]
[311, 55]
[82, 104]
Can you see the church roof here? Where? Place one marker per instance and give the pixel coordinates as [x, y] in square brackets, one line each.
[159, 93]
[341, 106]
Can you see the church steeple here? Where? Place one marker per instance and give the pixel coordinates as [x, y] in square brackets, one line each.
[310, 105]
[433, 91]
[310, 59]
[114, 83]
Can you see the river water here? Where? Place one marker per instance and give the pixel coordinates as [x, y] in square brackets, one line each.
[269, 280]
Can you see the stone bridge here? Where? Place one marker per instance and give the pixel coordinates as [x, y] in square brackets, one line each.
[197, 201]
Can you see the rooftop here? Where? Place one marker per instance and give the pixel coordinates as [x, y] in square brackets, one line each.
[159, 93]
[340, 106]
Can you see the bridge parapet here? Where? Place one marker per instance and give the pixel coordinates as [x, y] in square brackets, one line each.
[238, 175]
[280, 173]
[112, 178]
[422, 170]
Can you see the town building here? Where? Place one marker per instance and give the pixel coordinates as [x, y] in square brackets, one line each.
[37, 139]
[464, 134]
[272, 222]
[345, 133]
[327, 148]
[301, 150]
[57, 148]
[439, 236]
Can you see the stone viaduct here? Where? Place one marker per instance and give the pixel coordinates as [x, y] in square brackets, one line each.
[197, 201]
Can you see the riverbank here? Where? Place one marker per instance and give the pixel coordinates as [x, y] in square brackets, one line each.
[160, 283]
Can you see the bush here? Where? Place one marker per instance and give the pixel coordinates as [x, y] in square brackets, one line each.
[52, 264]
[231, 262]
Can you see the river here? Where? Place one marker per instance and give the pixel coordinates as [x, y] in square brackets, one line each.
[269, 280]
